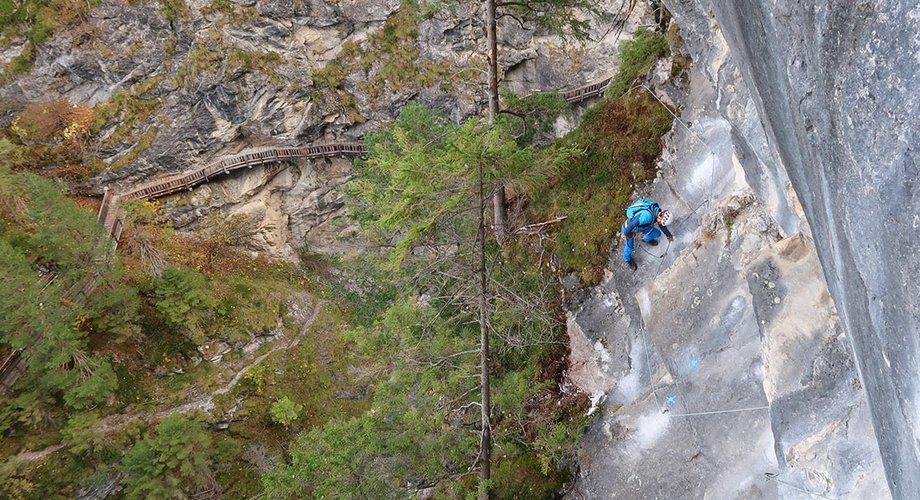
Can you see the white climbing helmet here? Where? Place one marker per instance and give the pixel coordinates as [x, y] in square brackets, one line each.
[664, 217]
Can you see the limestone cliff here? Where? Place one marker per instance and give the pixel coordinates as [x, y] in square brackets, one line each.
[770, 351]
[835, 86]
[729, 372]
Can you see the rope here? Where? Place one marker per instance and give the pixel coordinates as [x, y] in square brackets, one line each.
[712, 169]
[773, 476]
[658, 270]
[708, 202]
[755, 408]
[648, 367]
[650, 253]
[692, 132]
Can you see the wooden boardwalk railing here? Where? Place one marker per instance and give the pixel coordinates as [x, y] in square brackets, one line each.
[14, 365]
[12, 368]
[586, 92]
[249, 159]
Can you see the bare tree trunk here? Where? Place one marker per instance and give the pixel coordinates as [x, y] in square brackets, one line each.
[485, 453]
[499, 208]
[492, 41]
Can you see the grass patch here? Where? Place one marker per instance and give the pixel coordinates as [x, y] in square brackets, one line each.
[230, 12]
[142, 145]
[39, 19]
[313, 374]
[248, 61]
[127, 109]
[620, 140]
[174, 10]
[389, 56]
[637, 57]
[329, 76]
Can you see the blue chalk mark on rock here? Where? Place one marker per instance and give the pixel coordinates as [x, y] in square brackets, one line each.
[694, 361]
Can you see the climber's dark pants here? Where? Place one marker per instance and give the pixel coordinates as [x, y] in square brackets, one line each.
[650, 234]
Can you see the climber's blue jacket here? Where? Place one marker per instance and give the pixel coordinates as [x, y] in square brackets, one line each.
[640, 218]
[640, 224]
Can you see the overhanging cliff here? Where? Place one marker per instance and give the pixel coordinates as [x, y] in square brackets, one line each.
[835, 88]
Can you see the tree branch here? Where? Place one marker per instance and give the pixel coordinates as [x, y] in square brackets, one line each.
[450, 356]
[512, 16]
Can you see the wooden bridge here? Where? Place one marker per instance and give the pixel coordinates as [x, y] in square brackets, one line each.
[109, 216]
[586, 92]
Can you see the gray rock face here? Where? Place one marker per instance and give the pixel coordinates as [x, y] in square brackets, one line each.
[726, 370]
[281, 209]
[835, 85]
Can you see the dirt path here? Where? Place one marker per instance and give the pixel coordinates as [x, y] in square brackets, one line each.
[204, 403]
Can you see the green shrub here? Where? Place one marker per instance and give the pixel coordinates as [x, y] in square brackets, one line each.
[171, 463]
[637, 57]
[285, 412]
[329, 76]
[186, 298]
[173, 10]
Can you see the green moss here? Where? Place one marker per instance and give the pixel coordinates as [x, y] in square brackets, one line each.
[675, 41]
[637, 57]
[142, 145]
[174, 10]
[679, 65]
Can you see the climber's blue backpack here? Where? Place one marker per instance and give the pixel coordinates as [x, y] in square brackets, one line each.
[643, 206]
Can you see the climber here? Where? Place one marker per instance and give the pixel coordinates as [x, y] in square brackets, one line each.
[641, 218]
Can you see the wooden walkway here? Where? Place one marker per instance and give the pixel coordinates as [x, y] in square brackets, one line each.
[586, 92]
[109, 216]
[12, 368]
[173, 184]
